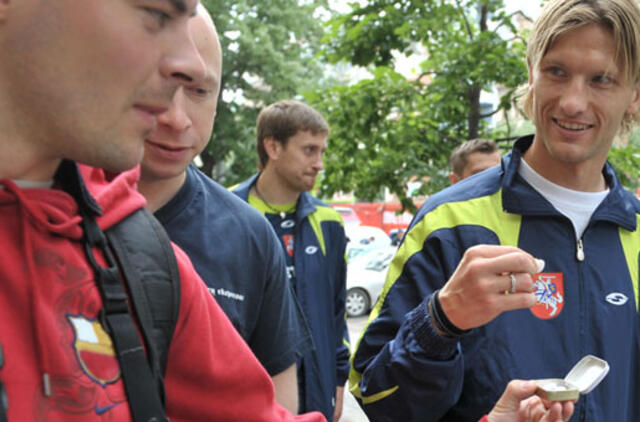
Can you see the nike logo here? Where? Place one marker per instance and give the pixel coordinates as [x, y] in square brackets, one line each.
[102, 410]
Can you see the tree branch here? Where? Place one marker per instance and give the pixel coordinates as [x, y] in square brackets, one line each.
[483, 18]
[508, 19]
[484, 116]
[423, 74]
[464, 17]
[517, 37]
[507, 139]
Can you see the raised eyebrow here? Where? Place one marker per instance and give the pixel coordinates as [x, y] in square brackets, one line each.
[211, 80]
[546, 62]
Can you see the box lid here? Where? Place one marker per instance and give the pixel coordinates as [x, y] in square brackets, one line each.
[588, 373]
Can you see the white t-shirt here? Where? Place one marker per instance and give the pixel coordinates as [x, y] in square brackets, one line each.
[576, 205]
[26, 184]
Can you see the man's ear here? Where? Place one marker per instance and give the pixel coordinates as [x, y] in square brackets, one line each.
[453, 178]
[271, 146]
[4, 10]
[634, 106]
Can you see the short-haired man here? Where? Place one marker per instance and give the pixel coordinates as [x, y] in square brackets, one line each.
[292, 138]
[467, 306]
[232, 246]
[85, 82]
[472, 157]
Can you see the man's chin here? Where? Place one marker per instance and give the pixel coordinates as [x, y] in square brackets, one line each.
[151, 173]
[118, 164]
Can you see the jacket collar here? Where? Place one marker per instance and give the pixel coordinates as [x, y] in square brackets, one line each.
[304, 207]
[619, 206]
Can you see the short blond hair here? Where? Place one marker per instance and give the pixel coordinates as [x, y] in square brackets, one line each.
[620, 17]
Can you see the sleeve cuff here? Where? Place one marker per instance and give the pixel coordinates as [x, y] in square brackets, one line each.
[436, 346]
[341, 379]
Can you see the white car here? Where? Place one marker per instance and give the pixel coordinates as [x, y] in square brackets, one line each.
[365, 278]
[361, 239]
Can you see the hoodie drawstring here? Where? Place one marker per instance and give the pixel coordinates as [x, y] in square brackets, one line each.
[30, 215]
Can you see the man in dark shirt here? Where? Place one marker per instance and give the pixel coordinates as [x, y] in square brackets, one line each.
[233, 248]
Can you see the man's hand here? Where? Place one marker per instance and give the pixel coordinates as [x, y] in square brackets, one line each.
[339, 403]
[475, 293]
[518, 405]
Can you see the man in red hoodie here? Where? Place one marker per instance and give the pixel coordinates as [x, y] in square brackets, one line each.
[84, 82]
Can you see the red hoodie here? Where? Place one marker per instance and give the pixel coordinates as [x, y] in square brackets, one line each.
[49, 304]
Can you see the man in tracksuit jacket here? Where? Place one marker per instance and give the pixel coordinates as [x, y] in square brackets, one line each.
[523, 269]
[84, 82]
[291, 141]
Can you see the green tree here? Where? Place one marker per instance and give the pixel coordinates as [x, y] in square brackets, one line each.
[268, 54]
[387, 130]
[626, 161]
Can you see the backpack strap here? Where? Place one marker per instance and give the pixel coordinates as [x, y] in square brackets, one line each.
[4, 404]
[140, 382]
[146, 257]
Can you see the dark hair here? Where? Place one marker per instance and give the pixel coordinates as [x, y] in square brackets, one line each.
[282, 120]
[459, 156]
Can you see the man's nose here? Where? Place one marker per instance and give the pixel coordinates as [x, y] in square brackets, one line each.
[176, 117]
[574, 97]
[317, 164]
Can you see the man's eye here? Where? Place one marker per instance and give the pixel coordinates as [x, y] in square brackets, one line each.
[201, 92]
[160, 16]
[603, 80]
[555, 71]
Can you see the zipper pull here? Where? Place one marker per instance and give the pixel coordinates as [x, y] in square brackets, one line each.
[580, 251]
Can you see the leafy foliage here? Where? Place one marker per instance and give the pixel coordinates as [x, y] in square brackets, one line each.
[626, 161]
[378, 137]
[268, 54]
[398, 130]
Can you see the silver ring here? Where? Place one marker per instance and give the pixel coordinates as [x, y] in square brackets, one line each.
[513, 282]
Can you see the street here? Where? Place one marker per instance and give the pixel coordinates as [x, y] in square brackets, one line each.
[352, 411]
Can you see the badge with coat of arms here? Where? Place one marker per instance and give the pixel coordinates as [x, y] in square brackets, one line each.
[94, 350]
[549, 291]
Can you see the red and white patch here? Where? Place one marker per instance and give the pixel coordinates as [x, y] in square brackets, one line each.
[94, 350]
[287, 239]
[549, 290]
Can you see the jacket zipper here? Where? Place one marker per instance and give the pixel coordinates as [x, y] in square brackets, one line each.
[582, 316]
[580, 251]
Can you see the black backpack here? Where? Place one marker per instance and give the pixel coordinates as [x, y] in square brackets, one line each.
[139, 249]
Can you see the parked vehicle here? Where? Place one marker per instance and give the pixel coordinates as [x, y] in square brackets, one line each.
[365, 278]
[361, 239]
[385, 215]
[349, 216]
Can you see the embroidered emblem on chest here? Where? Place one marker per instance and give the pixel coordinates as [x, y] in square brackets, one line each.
[287, 240]
[549, 291]
[94, 350]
